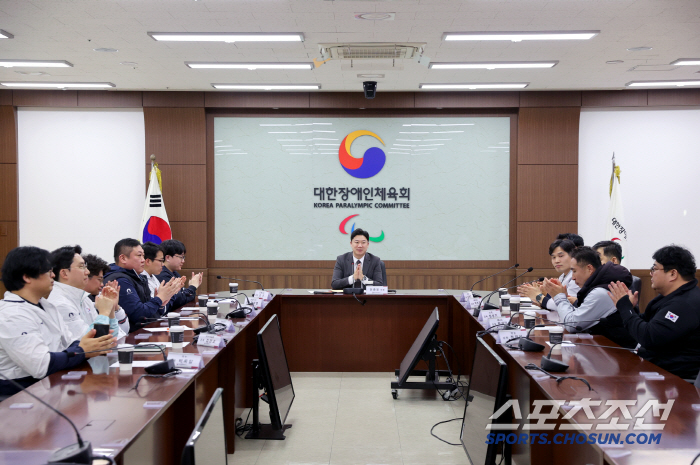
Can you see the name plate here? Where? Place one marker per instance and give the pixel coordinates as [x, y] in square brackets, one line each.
[486, 315]
[500, 322]
[377, 290]
[505, 335]
[189, 361]
[260, 299]
[211, 340]
[230, 328]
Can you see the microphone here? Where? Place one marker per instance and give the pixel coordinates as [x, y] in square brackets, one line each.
[502, 271]
[548, 364]
[484, 301]
[528, 345]
[75, 453]
[244, 280]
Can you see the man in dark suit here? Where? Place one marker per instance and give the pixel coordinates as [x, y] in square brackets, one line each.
[353, 266]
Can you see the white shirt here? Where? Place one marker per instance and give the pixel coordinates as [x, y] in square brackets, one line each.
[28, 334]
[153, 282]
[354, 265]
[76, 309]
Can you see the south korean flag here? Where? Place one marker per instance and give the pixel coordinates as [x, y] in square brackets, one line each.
[671, 316]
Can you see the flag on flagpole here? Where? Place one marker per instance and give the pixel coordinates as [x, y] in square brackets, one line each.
[155, 226]
[615, 229]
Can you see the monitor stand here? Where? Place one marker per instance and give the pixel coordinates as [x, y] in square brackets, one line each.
[432, 375]
[260, 431]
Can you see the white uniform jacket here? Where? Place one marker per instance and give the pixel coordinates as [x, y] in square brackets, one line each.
[27, 335]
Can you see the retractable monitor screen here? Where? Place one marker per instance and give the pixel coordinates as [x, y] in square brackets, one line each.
[275, 370]
[486, 393]
[419, 346]
[207, 444]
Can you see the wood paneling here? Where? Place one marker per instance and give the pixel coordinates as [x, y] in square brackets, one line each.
[184, 191]
[550, 99]
[534, 239]
[614, 98]
[194, 235]
[176, 136]
[8, 191]
[5, 97]
[674, 97]
[547, 193]
[256, 100]
[109, 99]
[472, 99]
[45, 98]
[9, 234]
[548, 136]
[358, 100]
[173, 99]
[8, 136]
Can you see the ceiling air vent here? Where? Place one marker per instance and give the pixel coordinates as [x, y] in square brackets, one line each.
[368, 51]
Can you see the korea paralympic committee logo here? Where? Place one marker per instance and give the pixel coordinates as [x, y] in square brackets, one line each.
[370, 164]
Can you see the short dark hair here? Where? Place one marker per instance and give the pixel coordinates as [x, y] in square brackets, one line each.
[610, 249]
[173, 247]
[125, 246]
[575, 238]
[359, 232]
[586, 256]
[21, 261]
[62, 258]
[565, 244]
[150, 250]
[95, 264]
[675, 257]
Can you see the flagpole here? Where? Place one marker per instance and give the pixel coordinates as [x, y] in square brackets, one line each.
[153, 160]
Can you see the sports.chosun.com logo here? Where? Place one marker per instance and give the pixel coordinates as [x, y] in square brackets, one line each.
[366, 167]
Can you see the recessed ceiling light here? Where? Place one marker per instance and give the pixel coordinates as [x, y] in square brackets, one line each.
[687, 82]
[520, 36]
[228, 37]
[494, 65]
[376, 16]
[5, 35]
[475, 86]
[35, 64]
[267, 86]
[614, 62]
[250, 66]
[687, 62]
[60, 85]
[371, 76]
[32, 73]
[128, 63]
[105, 49]
[638, 49]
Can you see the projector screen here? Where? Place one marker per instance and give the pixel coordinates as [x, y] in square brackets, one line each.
[81, 177]
[424, 188]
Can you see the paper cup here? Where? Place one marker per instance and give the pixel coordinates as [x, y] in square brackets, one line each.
[177, 336]
[556, 335]
[202, 299]
[502, 291]
[233, 288]
[125, 355]
[514, 304]
[505, 304]
[173, 319]
[212, 310]
[529, 319]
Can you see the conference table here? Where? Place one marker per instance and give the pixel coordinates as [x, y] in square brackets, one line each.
[339, 333]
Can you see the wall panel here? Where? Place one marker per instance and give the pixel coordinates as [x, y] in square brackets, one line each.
[5, 97]
[8, 191]
[173, 99]
[547, 193]
[468, 99]
[548, 136]
[256, 100]
[184, 192]
[194, 235]
[45, 98]
[358, 100]
[109, 99]
[550, 99]
[673, 97]
[534, 239]
[8, 134]
[175, 135]
[614, 98]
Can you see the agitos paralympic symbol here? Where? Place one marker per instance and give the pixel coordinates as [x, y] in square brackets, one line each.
[345, 221]
[370, 164]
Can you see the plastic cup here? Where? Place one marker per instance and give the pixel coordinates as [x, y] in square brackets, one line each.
[173, 319]
[202, 299]
[177, 336]
[126, 358]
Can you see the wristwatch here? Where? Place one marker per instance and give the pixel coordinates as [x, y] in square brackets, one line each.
[539, 298]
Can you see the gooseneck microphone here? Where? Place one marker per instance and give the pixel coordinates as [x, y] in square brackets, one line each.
[75, 453]
[244, 280]
[485, 299]
[555, 365]
[484, 279]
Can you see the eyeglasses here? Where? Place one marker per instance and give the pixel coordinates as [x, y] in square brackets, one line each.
[161, 260]
[82, 267]
[653, 268]
[181, 257]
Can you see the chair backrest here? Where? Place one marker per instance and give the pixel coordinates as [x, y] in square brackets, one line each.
[381, 263]
[636, 287]
[697, 381]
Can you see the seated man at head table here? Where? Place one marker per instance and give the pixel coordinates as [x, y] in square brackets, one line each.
[174, 258]
[69, 296]
[560, 252]
[351, 267]
[668, 332]
[593, 302]
[34, 339]
[134, 295]
[97, 269]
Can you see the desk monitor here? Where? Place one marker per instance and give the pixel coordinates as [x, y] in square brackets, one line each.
[271, 373]
[207, 444]
[419, 347]
[486, 394]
